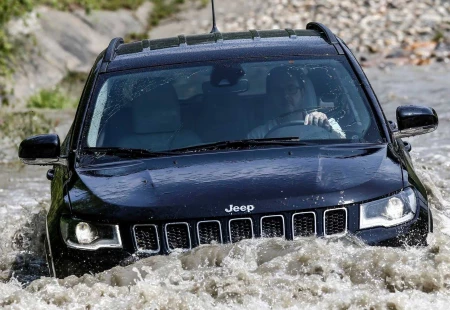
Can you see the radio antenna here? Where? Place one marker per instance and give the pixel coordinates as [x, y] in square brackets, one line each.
[214, 28]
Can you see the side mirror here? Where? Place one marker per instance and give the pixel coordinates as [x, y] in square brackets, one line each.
[41, 150]
[415, 120]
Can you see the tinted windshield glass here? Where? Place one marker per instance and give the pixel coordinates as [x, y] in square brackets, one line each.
[181, 106]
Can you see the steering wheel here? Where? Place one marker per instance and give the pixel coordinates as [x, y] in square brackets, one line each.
[299, 129]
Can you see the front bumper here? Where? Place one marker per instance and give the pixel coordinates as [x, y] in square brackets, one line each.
[78, 262]
[75, 261]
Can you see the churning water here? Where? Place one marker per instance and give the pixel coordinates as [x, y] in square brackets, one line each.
[253, 274]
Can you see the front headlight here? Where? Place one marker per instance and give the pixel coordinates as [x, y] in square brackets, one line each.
[389, 211]
[89, 236]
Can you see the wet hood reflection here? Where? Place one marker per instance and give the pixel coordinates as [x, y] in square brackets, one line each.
[204, 184]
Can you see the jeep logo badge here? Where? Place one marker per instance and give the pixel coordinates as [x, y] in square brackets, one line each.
[247, 208]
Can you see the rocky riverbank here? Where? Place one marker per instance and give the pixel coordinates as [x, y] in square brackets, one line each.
[58, 43]
[378, 31]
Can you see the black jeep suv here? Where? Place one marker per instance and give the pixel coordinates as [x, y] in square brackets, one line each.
[191, 140]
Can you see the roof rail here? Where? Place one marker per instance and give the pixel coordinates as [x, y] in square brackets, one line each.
[217, 36]
[255, 34]
[111, 50]
[329, 35]
[182, 40]
[291, 33]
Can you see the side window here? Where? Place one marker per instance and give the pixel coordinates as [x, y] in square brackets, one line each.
[98, 114]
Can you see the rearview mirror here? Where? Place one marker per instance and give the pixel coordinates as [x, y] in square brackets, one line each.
[415, 120]
[226, 88]
[40, 150]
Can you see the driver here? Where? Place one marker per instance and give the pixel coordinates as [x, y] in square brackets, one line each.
[288, 92]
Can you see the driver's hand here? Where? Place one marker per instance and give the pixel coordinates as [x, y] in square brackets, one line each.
[318, 119]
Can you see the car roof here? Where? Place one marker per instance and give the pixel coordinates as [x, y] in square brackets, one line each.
[216, 46]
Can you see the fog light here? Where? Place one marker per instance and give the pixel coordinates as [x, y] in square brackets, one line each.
[394, 208]
[85, 233]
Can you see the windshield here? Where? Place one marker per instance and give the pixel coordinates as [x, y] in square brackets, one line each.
[176, 107]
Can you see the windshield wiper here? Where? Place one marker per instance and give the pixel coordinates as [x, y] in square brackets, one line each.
[127, 152]
[237, 144]
[221, 145]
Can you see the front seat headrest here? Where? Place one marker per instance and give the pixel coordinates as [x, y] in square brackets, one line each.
[156, 111]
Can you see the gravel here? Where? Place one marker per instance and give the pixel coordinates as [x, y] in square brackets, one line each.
[379, 32]
[401, 31]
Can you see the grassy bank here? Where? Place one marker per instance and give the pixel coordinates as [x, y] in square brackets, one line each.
[10, 9]
[11, 51]
[15, 126]
[18, 125]
[53, 98]
[111, 5]
[65, 95]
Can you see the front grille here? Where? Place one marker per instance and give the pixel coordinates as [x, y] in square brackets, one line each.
[335, 221]
[304, 224]
[209, 231]
[272, 226]
[177, 236]
[241, 229]
[146, 237]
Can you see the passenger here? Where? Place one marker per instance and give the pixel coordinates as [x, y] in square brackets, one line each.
[289, 95]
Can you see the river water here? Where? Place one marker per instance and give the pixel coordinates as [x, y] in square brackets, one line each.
[263, 274]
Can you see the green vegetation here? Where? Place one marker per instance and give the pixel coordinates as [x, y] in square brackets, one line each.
[135, 36]
[19, 125]
[166, 8]
[163, 9]
[16, 8]
[72, 84]
[88, 5]
[438, 36]
[12, 8]
[66, 94]
[16, 126]
[51, 99]
[8, 10]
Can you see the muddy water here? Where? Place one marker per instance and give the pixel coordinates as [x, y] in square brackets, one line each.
[263, 274]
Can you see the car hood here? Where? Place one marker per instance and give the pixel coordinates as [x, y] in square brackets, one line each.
[201, 185]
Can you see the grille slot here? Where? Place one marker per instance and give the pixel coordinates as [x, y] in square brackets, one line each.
[335, 221]
[240, 229]
[272, 226]
[304, 224]
[209, 231]
[177, 236]
[146, 237]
